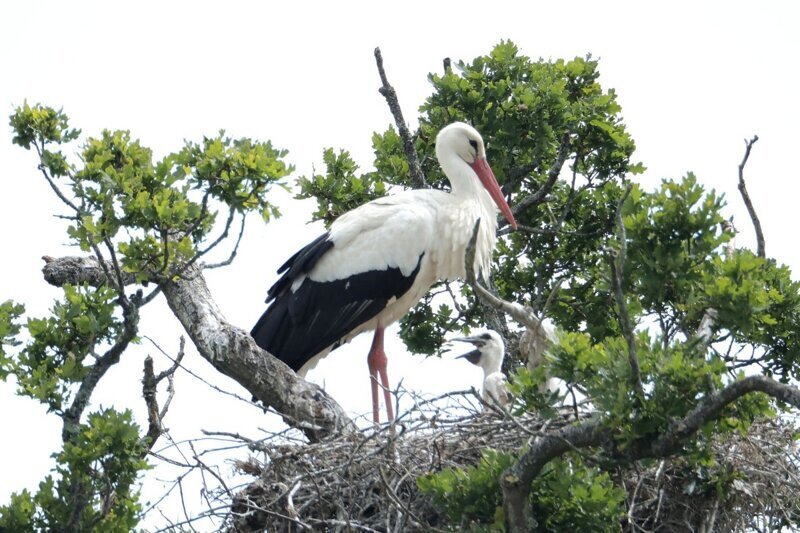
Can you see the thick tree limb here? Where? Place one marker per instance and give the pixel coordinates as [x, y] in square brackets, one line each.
[230, 349]
[516, 481]
[746, 197]
[388, 92]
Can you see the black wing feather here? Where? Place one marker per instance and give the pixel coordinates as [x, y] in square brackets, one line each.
[300, 324]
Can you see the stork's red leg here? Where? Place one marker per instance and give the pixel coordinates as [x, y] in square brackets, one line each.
[377, 362]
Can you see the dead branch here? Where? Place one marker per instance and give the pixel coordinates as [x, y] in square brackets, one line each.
[746, 197]
[150, 381]
[388, 92]
[230, 349]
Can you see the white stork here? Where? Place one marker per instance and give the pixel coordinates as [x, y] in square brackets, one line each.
[488, 354]
[378, 260]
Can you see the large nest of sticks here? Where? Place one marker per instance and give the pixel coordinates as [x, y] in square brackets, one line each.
[368, 481]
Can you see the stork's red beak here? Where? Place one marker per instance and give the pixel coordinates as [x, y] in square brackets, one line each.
[484, 172]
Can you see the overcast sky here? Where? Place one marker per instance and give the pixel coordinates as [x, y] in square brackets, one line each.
[694, 79]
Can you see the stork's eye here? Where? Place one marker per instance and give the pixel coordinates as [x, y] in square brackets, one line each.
[474, 144]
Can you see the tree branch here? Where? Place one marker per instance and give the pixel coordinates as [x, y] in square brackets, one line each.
[746, 197]
[388, 92]
[231, 350]
[617, 266]
[155, 416]
[518, 312]
[544, 190]
[516, 481]
[72, 416]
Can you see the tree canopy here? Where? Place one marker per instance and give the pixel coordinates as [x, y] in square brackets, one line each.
[669, 339]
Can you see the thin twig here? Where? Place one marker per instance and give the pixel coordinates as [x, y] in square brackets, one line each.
[388, 92]
[235, 250]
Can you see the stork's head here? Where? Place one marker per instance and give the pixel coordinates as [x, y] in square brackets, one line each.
[488, 353]
[461, 141]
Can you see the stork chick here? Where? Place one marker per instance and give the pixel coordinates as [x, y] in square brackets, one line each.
[488, 354]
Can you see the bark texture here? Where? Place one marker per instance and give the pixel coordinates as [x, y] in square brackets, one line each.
[230, 349]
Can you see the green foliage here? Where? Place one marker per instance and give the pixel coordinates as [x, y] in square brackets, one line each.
[142, 218]
[676, 271]
[39, 125]
[529, 389]
[93, 488]
[570, 496]
[55, 359]
[340, 189]
[9, 312]
[156, 216]
[675, 235]
[525, 110]
[759, 303]
[538, 118]
[567, 495]
[470, 496]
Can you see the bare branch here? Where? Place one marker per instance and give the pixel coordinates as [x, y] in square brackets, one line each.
[388, 92]
[155, 416]
[231, 350]
[76, 271]
[235, 250]
[746, 197]
[154, 429]
[43, 168]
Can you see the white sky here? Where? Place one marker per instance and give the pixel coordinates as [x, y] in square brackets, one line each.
[694, 79]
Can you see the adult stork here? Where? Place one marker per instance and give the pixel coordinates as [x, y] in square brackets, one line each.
[488, 354]
[379, 259]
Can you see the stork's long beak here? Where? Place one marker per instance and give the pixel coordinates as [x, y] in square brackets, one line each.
[475, 340]
[474, 356]
[484, 172]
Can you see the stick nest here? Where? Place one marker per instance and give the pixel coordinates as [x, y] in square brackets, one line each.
[367, 481]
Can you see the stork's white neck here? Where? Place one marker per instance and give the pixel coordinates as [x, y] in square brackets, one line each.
[463, 180]
[491, 360]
